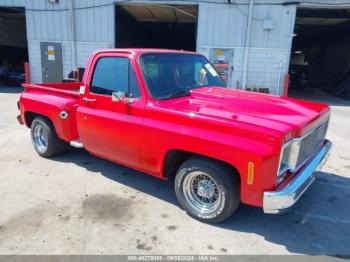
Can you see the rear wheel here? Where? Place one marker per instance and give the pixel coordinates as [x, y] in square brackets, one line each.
[44, 138]
[207, 189]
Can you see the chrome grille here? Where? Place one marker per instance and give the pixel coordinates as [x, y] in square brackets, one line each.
[310, 143]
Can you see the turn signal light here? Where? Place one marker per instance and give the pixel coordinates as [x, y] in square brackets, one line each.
[250, 178]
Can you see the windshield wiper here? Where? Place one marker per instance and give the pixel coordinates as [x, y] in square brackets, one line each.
[178, 94]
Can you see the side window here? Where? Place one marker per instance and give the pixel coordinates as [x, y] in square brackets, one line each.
[134, 89]
[113, 74]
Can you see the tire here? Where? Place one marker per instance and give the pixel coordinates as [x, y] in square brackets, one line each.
[207, 189]
[44, 138]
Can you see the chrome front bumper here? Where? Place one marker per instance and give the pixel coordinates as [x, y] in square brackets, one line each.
[279, 201]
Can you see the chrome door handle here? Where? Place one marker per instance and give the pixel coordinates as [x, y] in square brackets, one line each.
[88, 100]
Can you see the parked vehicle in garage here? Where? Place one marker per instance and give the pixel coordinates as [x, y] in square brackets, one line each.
[12, 77]
[168, 113]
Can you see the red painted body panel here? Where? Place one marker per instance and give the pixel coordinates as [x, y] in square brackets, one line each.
[49, 101]
[229, 125]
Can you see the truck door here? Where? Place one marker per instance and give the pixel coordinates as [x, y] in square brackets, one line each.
[107, 128]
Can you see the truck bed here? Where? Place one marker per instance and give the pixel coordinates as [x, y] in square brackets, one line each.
[69, 88]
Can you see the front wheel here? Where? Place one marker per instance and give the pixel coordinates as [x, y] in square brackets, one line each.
[44, 138]
[207, 189]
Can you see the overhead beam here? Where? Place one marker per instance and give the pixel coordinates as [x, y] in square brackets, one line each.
[323, 13]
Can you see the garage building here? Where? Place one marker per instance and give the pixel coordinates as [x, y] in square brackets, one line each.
[253, 43]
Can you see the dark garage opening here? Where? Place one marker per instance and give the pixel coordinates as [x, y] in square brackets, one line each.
[156, 26]
[13, 45]
[320, 60]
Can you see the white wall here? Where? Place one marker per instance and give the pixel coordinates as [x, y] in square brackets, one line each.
[47, 22]
[225, 26]
[219, 26]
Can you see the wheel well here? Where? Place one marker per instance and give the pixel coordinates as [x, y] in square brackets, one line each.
[30, 116]
[174, 158]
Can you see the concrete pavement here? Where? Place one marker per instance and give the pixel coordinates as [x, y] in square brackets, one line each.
[81, 204]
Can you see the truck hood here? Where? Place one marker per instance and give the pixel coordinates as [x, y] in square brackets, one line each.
[280, 114]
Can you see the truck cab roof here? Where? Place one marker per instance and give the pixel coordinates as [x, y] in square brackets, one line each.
[139, 51]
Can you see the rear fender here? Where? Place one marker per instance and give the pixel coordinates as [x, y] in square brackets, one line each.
[59, 109]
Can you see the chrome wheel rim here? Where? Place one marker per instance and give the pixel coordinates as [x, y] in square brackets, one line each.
[40, 138]
[201, 192]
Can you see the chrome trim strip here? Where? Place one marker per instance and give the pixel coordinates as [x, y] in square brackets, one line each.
[275, 202]
[322, 119]
[293, 170]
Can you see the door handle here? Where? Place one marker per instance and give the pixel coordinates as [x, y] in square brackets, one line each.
[89, 100]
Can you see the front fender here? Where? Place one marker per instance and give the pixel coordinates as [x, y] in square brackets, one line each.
[234, 143]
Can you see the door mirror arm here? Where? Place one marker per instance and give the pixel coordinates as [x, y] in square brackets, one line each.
[121, 97]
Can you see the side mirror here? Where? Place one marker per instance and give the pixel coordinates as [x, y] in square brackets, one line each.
[121, 97]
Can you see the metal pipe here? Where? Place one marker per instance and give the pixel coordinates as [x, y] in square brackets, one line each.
[73, 34]
[27, 73]
[278, 93]
[286, 85]
[247, 44]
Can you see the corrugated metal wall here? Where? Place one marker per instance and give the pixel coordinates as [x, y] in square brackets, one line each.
[94, 29]
[94, 20]
[225, 26]
[220, 25]
[306, 2]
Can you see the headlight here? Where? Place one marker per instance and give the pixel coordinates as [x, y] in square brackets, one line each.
[288, 158]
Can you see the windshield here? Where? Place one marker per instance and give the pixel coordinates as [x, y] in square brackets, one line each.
[170, 75]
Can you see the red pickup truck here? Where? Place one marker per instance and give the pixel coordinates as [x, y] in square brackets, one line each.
[168, 114]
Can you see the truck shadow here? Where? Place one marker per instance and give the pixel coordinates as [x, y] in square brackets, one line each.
[318, 225]
[121, 174]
